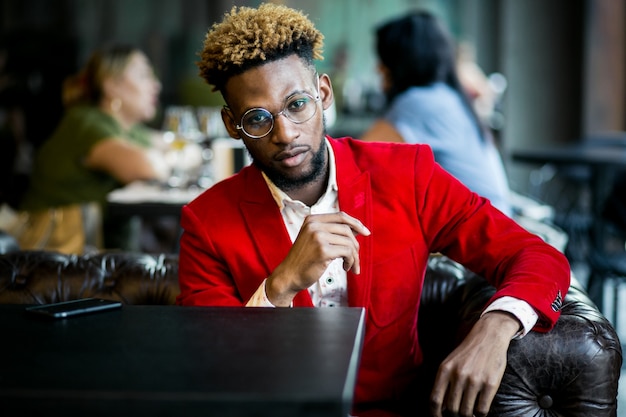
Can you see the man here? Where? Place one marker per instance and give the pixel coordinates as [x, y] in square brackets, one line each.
[317, 221]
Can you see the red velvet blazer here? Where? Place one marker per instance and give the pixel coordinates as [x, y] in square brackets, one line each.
[234, 237]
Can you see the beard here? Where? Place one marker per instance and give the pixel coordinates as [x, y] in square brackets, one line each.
[317, 170]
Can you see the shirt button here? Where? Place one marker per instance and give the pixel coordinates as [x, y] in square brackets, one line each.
[330, 280]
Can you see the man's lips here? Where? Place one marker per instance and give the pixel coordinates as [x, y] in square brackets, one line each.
[292, 157]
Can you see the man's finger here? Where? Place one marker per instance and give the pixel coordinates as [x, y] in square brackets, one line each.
[355, 224]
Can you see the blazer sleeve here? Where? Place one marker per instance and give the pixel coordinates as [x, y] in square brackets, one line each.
[467, 228]
[203, 276]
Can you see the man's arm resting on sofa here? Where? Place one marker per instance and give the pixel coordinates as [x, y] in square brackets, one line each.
[469, 377]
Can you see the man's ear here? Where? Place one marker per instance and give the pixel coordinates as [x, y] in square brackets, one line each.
[229, 123]
[326, 91]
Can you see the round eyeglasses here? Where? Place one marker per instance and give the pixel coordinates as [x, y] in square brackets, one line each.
[299, 108]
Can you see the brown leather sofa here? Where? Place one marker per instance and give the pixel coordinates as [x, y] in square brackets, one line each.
[572, 371]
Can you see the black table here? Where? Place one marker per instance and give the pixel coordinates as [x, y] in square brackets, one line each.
[149, 200]
[152, 204]
[181, 361]
[145, 209]
[602, 161]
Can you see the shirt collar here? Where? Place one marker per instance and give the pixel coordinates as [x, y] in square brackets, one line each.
[282, 198]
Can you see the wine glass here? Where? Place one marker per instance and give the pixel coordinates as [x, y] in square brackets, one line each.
[212, 127]
[210, 122]
[181, 130]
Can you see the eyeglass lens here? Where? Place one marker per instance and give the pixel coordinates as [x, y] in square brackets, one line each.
[259, 122]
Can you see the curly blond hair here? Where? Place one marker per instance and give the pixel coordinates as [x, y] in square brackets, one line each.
[249, 37]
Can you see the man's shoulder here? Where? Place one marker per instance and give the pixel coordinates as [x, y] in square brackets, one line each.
[229, 191]
[348, 147]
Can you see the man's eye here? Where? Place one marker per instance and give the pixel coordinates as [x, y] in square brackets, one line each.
[258, 118]
[298, 104]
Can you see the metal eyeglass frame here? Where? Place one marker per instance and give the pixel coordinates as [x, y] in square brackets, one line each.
[275, 115]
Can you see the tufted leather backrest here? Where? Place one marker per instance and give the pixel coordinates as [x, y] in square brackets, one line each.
[40, 277]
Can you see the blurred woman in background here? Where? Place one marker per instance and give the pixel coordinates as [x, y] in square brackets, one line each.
[428, 104]
[100, 144]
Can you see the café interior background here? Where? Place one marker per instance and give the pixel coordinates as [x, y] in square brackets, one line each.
[564, 60]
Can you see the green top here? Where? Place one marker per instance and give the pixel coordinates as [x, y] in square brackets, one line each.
[59, 176]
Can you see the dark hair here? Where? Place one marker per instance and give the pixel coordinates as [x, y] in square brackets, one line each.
[418, 51]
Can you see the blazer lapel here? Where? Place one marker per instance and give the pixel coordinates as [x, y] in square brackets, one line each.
[355, 198]
[266, 228]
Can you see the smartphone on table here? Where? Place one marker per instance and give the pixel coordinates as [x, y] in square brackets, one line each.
[73, 308]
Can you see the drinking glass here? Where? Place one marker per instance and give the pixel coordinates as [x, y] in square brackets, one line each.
[181, 131]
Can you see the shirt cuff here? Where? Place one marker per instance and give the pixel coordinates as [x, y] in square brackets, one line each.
[259, 298]
[526, 315]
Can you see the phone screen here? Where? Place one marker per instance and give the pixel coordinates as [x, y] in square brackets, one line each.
[74, 308]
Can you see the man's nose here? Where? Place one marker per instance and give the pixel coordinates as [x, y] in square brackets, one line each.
[285, 130]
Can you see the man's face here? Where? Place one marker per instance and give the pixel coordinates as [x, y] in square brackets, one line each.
[292, 154]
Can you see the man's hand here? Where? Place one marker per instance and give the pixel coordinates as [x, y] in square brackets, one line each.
[469, 377]
[322, 238]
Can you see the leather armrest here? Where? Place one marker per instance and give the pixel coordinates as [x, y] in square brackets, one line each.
[571, 371]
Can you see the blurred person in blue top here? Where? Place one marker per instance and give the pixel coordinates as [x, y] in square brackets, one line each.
[427, 104]
[101, 143]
